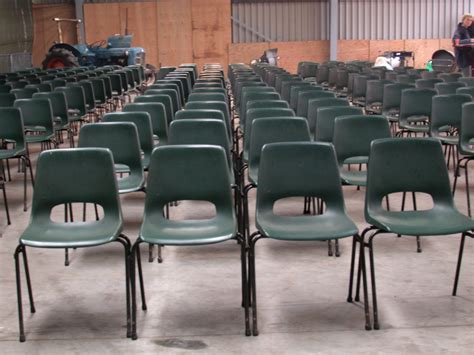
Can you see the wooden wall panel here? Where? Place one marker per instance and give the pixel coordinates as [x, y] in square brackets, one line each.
[45, 30]
[423, 50]
[377, 48]
[175, 36]
[246, 52]
[291, 53]
[211, 26]
[352, 50]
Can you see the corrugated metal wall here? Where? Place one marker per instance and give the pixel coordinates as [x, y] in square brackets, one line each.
[262, 20]
[400, 19]
[16, 26]
[280, 21]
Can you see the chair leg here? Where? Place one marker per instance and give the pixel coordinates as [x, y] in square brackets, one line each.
[253, 291]
[468, 194]
[126, 246]
[458, 266]
[151, 248]
[368, 326]
[140, 276]
[245, 291]
[18, 292]
[372, 279]
[351, 273]
[28, 281]
[24, 183]
[7, 211]
[159, 256]
[133, 290]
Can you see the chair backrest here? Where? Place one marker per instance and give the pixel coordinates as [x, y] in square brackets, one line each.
[58, 104]
[407, 79]
[272, 130]
[292, 169]
[213, 105]
[450, 77]
[416, 102]
[253, 95]
[374, 92]
[305, 96]
[43, 87]
[122, 140]
[296, 89]
[144, 129]
[200, 131]
[429, 74]
[448, 87]
[427, 83]
[98, 87]
[11, 126]
[163, 84]
[26, 93]
[466, 132]
[36, 112]
[75, 98]
[354, 134]
[116, 83]
[392, 96]
[469, 90]
[286, 86]
[88, 92]
[4, 88]
[406, 165]
[324, 130]
[189, 172]
[207, 97]
[175, 100]
[267, 104]
[7, 99]
[447, 111]
[469, 81]
[157, 113]
[315, 104]
[163, 99]
[76, 175]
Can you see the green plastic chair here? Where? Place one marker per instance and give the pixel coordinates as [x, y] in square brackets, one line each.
[250, 87]
[157, 113]
[296, 89]
[415, 111]
[24, 93]
[60, 115]
[448, 88]
[300, 169]
[213, 105]
[352, 138]
[7, 99]
[327, 117]
[171, 170]
[12, 132]
[256, 113]
[465, 148]
[122, 140]
[142, 121]
[177, 84]
[43, 87]
[252, 95]
[38, 119]
[207, 97]
[469, 90]
[162, 99]
[169, 86]
[427, 83]
[469, 81]
[315, 104]
[359, 89]
[446, 121]
[202, 132]
[5, 89]
[450, 77]
[392, 97]
[60, 171]
[286, 86]
[175, 100]
[76, 103]
[402, 165]
[267, 104]
[374, 96]
[305, 96]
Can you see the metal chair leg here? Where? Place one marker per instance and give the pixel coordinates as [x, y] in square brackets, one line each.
[22, 337]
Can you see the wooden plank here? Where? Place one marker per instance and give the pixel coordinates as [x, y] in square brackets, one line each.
[174, 32]
[352, 50]
[211, 26]
[423, 50]
[45, 30]
[291, 53]
[377, 48]
[101, 21]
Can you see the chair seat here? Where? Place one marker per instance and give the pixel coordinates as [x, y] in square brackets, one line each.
[12, 153]
[130, 183]
[437, 221]
[68, 235]
[354, 177]
[36, 138]
[357, 160]
[453, 140]
[330, 225]
[188, 232]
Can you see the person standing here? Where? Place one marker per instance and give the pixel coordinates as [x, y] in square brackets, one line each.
[461, 39]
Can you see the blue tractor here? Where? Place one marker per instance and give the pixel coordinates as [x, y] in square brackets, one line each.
[117, 50]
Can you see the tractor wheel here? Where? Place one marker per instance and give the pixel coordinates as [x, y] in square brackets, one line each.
[60, 58]
[150, 74]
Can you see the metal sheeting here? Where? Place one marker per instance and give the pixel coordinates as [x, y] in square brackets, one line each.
[16, 26]
[400, 19]
[280, 21]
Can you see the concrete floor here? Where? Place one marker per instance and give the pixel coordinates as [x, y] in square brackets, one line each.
[194, 296]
